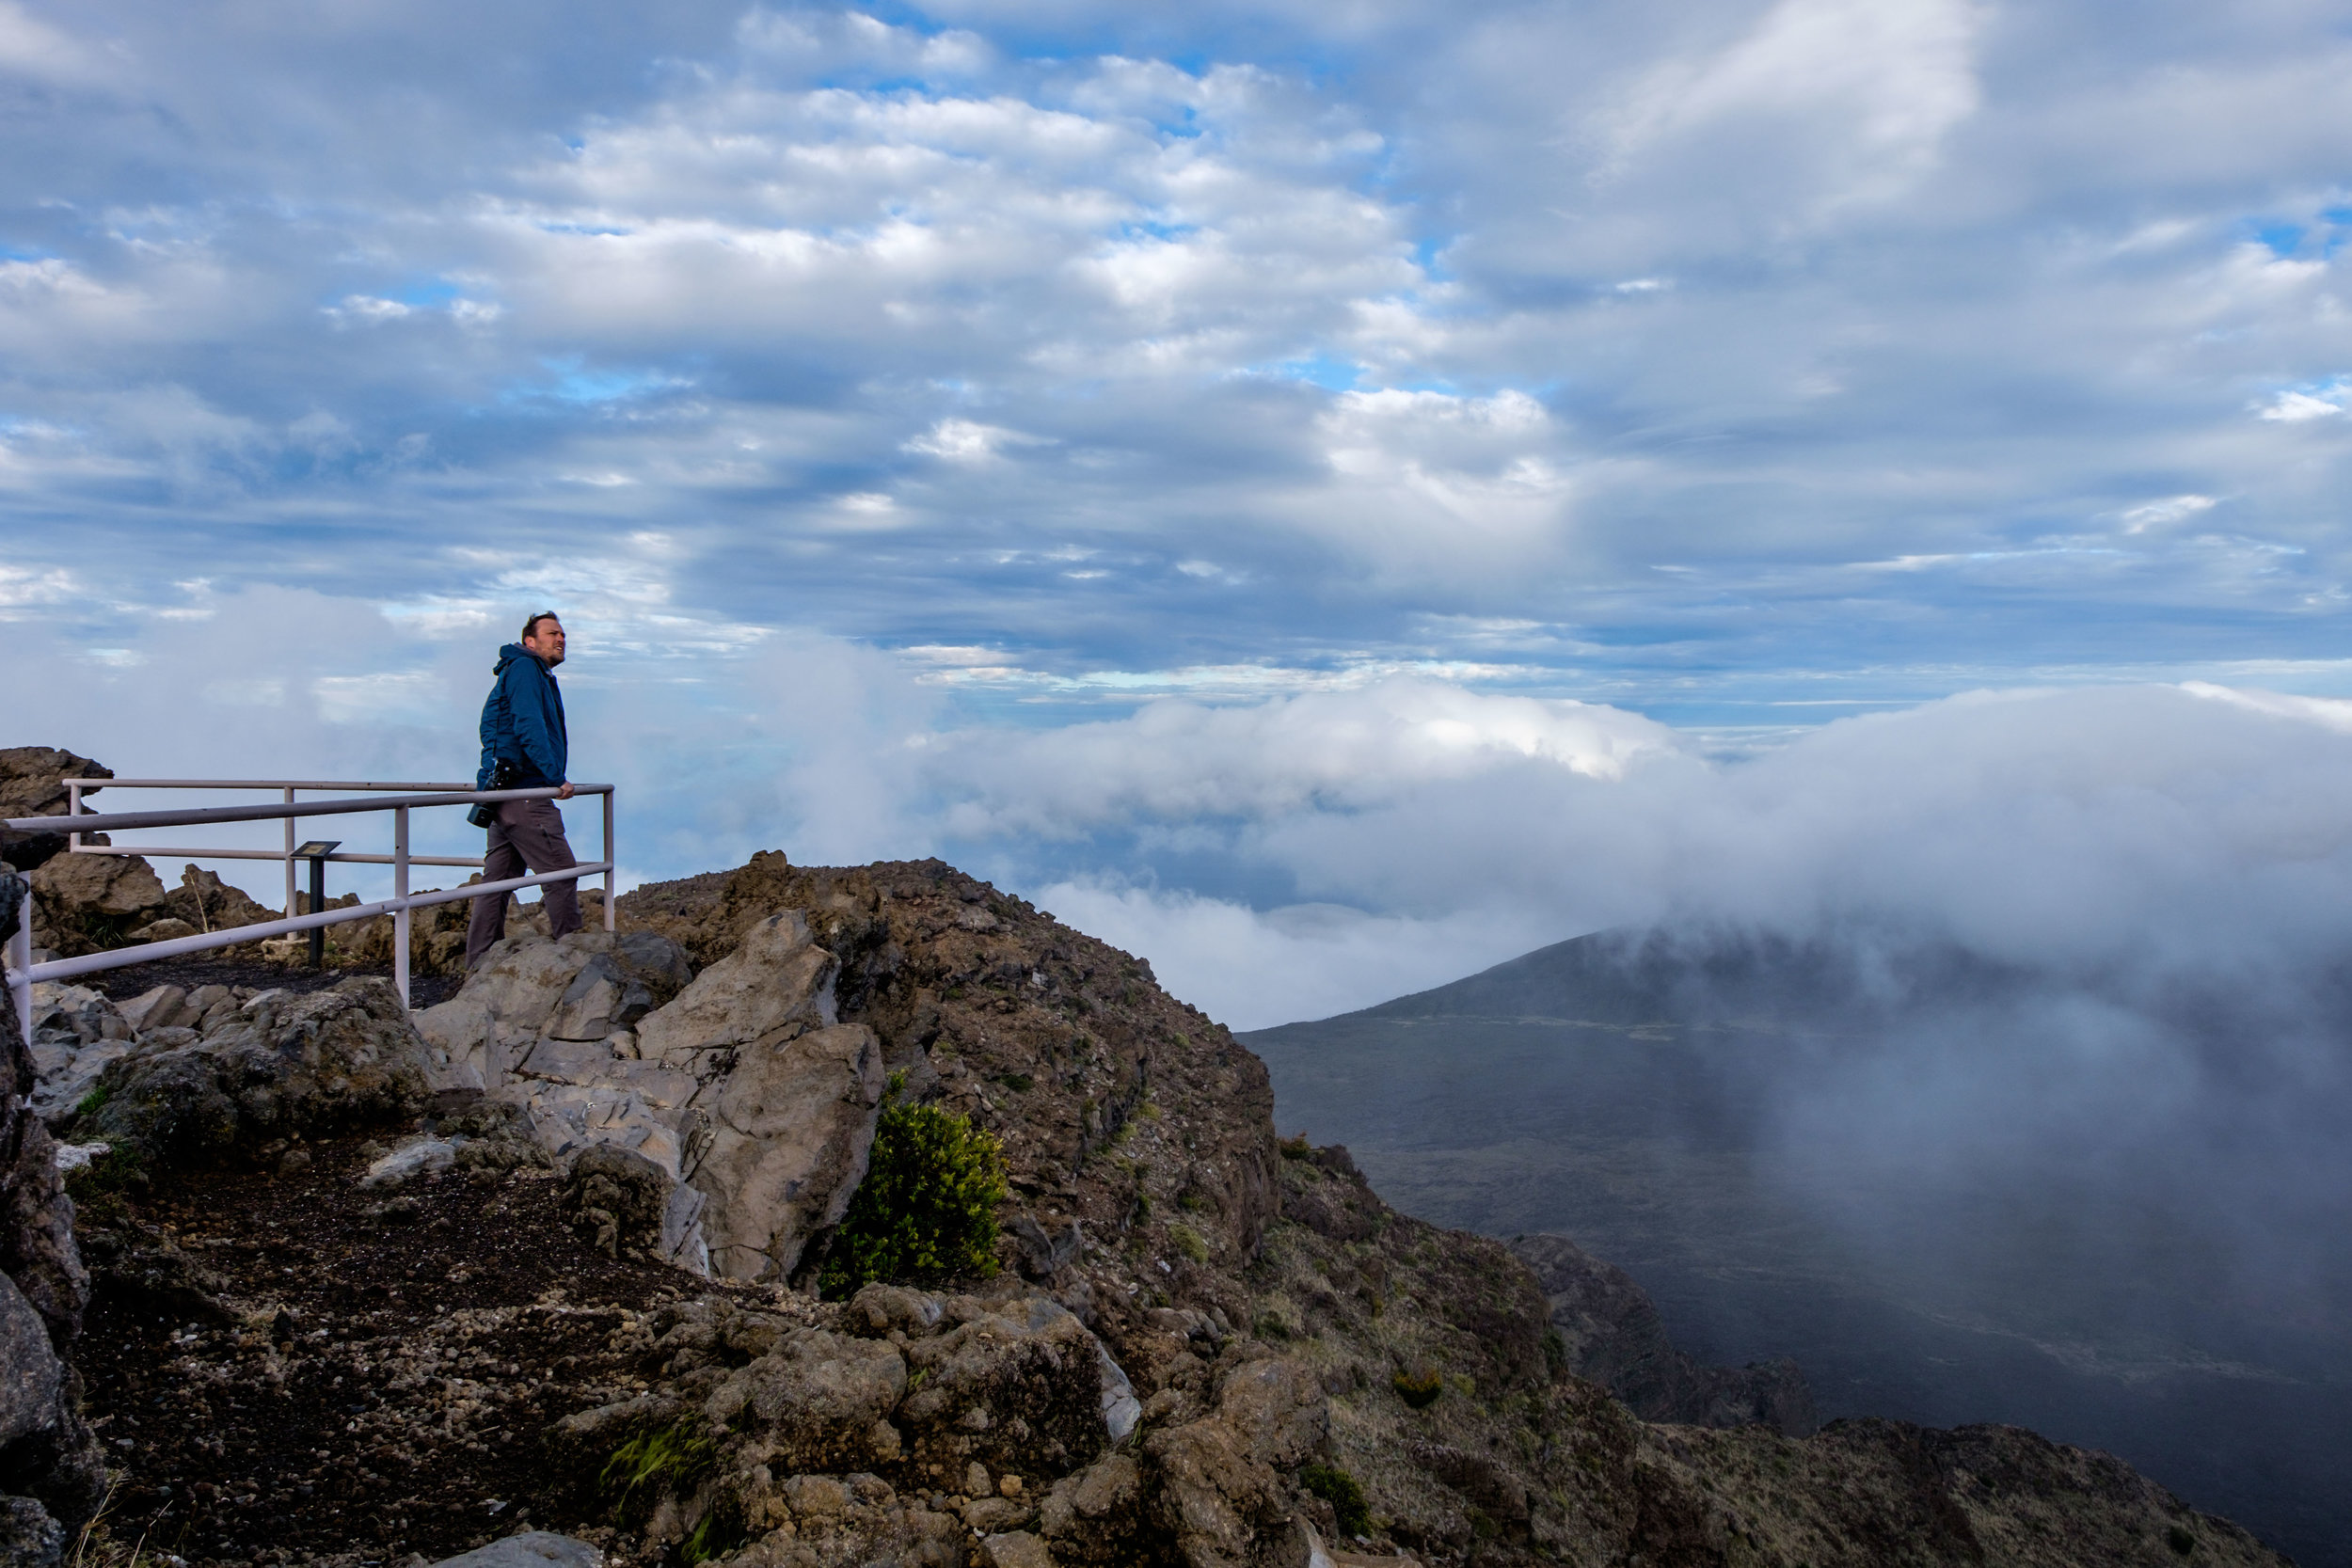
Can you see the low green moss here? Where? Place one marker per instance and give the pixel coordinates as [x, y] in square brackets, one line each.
[1188, 1242]
[716, 1536]
[925, 1213]
[672, 1459]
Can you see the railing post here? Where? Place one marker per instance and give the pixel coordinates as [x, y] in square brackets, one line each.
[73, 840]
[291, 911]
[611, 864]
[400, 891]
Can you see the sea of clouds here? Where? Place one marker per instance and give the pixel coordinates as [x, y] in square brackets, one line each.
[1307, 853]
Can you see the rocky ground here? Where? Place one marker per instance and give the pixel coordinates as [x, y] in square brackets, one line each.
[1200, 1346]
[295, 1369]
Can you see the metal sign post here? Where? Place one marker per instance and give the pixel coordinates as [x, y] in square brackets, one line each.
[316, 852]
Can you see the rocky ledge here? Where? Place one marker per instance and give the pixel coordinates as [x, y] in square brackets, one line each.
[372, 1287]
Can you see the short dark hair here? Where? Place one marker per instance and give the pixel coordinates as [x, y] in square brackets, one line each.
[532, 625]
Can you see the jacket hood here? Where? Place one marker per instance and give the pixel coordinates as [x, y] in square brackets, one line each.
[508, 654]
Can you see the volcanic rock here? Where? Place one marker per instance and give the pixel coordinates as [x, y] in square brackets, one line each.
[32, 784]
[279, 1065]
[51, 1470]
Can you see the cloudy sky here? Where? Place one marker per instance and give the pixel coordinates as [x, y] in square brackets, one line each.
[1327, 496]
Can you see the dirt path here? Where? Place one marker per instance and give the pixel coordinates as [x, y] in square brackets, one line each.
[290, 1369]
[424, 991]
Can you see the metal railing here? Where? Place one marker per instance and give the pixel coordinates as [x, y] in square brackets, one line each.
[73, 808]
[22, 973]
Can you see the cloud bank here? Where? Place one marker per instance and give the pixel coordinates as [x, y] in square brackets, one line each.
[1698, 361]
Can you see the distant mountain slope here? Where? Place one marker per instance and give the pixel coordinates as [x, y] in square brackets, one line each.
[1782, 1143]
[1662, 977]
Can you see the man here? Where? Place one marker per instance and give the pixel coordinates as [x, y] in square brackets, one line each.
[522, 726]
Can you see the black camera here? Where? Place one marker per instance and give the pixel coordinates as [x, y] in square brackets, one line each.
[486, 812]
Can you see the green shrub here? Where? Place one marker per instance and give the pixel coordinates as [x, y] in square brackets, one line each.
[1420, 1388]
[925, 1213]
[1188, 1242]
[92, 1101]
[1342, 1492]
[1295, 1149]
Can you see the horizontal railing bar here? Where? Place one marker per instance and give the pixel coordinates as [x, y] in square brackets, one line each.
[338, 857]
[111, 821]
[237, 936]
[255, 784]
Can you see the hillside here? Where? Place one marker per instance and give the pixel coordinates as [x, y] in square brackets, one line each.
[1202, 1346]
[1659, 1099]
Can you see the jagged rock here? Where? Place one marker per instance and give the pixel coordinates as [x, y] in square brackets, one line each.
[89, 903]
[1014, 1387]
[1094, 1515]
[31, 1376]
[621, 1201]
[279, 1065]
[163, 1007]
[29, 1538]
[482, 1034]
[738, 1086]
[78, 1033]
[777, 979]
[203, 902]
[820, 1402]
[51, 1473]
[1224, 1486]
[1012, 1549]
[416, 1157]
[536, 1548]
[32, 784]
[1614, 1335]
[87, 1015]
[788, 1133]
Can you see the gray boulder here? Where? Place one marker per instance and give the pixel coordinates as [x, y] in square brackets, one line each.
[31, 1376]
[748, 1107]
[78, 1033]
[279, 1065]
[584, 988]
[785, 1139]
[536, 1548]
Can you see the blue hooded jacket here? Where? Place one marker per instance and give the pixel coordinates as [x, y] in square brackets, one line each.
[523, 722]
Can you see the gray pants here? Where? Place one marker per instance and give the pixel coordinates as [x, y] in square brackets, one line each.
[526, 834]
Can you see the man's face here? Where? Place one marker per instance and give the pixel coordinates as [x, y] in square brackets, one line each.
[547, 641]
